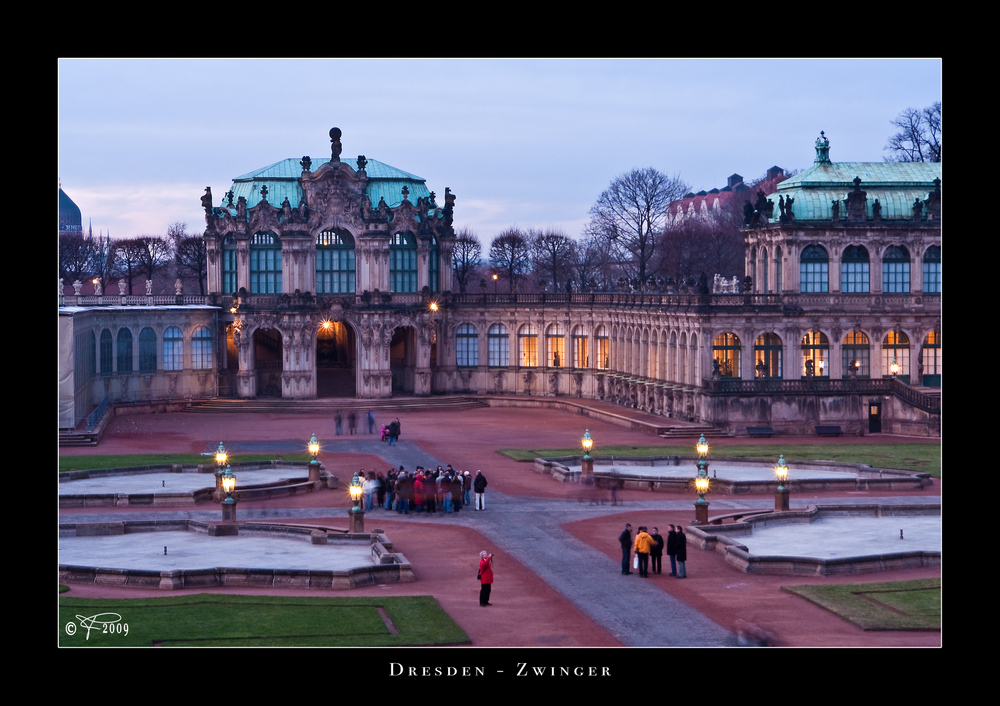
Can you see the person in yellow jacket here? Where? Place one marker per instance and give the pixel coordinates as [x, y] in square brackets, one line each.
[643, 545]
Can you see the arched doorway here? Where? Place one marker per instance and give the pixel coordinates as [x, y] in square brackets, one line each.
[403, 359]
[267, 361]
[335, 358]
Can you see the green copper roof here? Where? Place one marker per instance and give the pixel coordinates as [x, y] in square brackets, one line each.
[282, 180]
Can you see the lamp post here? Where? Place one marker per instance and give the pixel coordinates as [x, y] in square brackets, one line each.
[314, 464]
[356, 513]
[701, 483]
[220, 467]
[781, 495]
[587, 474]
[894, 367]
[229, 504]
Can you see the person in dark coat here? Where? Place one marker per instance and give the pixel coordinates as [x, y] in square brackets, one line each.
[479, 486]
[625, 539]
[656, 553]
[682, 554]
[672, 549]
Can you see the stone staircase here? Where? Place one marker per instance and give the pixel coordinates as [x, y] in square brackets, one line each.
[688, 431]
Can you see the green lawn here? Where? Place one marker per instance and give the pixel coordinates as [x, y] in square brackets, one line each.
[910, 457]
[96, 463]
[903, 605]
[217, 620]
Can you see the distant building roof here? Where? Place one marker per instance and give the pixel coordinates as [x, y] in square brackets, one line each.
[704, 202]
[70, 218]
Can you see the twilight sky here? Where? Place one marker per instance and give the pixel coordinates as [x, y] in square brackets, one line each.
[525, 142]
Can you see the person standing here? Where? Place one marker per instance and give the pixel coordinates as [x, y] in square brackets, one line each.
[352, 422]
[672, 549]
[656, 555]
[643, 545]
[338, 420]
[479, 486]
[485, 578]
[681, 553]
[371, 422]
[625, 539]
[467, 487]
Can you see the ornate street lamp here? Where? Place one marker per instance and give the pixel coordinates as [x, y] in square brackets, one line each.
[221, 457]
[229, 504]
[781, 495]
[356, 513]
[314, 464]
[894, 367]
[587, 474]
[701, 483]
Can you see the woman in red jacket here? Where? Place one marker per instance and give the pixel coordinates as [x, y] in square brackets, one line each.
[485, 578]
[418, 492]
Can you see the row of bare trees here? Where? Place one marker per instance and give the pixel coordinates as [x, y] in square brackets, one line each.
[135, 260]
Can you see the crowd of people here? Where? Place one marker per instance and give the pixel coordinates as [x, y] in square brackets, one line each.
[442, 489]
[649, 547]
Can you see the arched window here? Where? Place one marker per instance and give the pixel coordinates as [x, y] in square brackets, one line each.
[581, 356]
[726, 356]
[265, 264]
[932, 270]
[402, 264]
[173, 349]
[433, 266]
[124, 356]
[527, 346]
[603, 348]
[147, 351]
[499, 346]
[466, 346]
[896, 351]
[335, 263]
[855, 352]
[201, 349]
[896, 270]
[815, 351]
[763, 271]
[229, 285]
[778, 283]
[767, 356]
[107, 352]
[555, 346]
[855, 271]
[814, 270]
[930, 358]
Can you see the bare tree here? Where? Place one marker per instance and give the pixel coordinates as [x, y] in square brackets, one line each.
[629, 216]
[153, 252]
[552, 256]
[593, 267]
[919, 136]
[76, 257]
[510, 256]
[128, 256]
[466, 257]
[190, 254]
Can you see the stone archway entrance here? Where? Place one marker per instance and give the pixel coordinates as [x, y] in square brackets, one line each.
[335, 360]
[267, 361]
[403, 359]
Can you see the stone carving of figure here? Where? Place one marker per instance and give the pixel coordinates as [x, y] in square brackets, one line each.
[918, 208]
[877, 210]
[335, 147]
[149, 287]
[836, 209]
[206, 201]
[97, 287]
[121, 287]
[178, 287]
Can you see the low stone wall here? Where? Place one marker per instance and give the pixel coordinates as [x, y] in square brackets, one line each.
[721, 538]
[388, 566]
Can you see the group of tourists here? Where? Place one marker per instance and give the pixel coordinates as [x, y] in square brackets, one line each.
[443, 489]
[649, 548]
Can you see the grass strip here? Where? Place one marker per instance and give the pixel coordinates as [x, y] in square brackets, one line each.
[901, 605]
[221, 620]
[100, 463]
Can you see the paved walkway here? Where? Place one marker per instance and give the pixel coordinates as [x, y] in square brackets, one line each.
[531, 519]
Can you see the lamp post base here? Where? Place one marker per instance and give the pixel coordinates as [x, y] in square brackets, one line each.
[701, 513]
[357, 524]
[781, 500]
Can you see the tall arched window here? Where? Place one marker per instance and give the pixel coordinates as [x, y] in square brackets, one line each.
[778, 283]
[265, 264]
[527, 346]
[555, 346]
[335, 264]
[201, 349]
[602, 347]
[932, 270]
[855, 270]
[814, 270]
[767, 356]
[855, 355]
[433, 267]
[402, 264]
[581, 356]
[726, 350]
[930, 358]
[498, 340]
[896, 270]
[466, 346]
[124, 353]
[229, 284]
[763, 271]
[107, 352]
[147, 351]
[896, 350]
[173, 349]
[815, 351]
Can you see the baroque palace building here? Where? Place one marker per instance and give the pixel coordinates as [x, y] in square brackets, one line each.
[331, 278]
